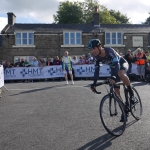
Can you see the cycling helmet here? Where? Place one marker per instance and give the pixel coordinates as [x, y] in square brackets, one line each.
[93, 43]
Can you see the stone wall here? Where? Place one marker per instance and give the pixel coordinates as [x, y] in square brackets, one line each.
[49, 45]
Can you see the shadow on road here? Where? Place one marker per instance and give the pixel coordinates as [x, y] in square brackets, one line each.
[102, 142]
[38, 89]
[139, 83]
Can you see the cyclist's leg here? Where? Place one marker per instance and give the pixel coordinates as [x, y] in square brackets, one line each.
[123, 76]
[114, 73]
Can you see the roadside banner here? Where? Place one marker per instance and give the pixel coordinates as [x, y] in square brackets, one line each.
[1, 76]
[52, 72]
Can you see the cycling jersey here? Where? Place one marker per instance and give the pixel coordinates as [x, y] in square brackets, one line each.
[114, 60]
[66, 63]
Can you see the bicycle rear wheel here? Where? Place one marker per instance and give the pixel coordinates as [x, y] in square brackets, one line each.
[111, 111]
[136, 109]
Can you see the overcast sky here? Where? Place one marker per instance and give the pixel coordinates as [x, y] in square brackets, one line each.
[41, 11]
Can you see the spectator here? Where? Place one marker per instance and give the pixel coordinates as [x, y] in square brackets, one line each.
[26, 63]
[4, 63]
[75, 60]
[56, 61]
[17, 63]
[89, 59]
[35, 62]
[129, 58]
[140, 58]
[147, 56]
[9, 65]
[84, 58]
[48, 62]
[21, 62]
[147, 64]
[81, 60]
[67, 67]
[47, 57]
[42, 62]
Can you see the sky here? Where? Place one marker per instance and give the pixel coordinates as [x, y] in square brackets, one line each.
[42, 11]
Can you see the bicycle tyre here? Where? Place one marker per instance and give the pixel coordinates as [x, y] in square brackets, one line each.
[118, 127]
[136, 109]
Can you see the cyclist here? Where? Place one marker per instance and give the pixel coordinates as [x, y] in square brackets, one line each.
[117, 63]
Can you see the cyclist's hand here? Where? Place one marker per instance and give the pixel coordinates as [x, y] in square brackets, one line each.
[112, 80]
[92, 87]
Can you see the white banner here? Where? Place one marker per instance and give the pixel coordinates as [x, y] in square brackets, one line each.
[88, 70]
[1, 76]
[134, 69]
[33, 72]
[53, 72]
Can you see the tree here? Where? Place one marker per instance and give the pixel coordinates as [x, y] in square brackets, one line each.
[147, 21]
[69, 13]
[105, 16]
[120, 18]
[72, 12]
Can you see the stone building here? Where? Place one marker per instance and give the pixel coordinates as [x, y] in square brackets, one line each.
[40, 40]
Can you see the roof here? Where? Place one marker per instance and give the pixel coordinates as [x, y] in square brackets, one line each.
[85, 28]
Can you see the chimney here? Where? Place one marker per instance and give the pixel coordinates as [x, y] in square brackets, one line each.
[96, 17]
[11, 18]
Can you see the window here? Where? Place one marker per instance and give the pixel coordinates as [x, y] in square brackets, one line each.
[113, 38]
[72, 38]
[24, 38]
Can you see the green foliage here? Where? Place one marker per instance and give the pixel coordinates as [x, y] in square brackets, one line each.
[69, 13]
[120, 18]
[82, 12]
[147, 21]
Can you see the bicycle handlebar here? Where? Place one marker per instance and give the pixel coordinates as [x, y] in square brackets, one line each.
[105, 82]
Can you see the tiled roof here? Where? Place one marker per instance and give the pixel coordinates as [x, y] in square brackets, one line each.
[85, 28]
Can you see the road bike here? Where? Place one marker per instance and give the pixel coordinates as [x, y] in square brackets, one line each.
[112, 108]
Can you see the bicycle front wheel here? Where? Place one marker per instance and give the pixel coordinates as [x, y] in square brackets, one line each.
[111, 112]
[136, 109]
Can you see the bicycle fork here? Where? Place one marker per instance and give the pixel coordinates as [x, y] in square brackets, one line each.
[112, 106]
[126, 105]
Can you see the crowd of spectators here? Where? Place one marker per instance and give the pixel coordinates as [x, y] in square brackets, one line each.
[142, 60]
[42, 62]
[142, 69]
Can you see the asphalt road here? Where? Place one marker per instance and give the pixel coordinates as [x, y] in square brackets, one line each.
[55, 116]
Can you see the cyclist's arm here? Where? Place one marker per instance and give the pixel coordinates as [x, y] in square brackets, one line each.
[96, 73]
[115, 60]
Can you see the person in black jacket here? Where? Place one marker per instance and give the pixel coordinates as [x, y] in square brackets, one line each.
[129, 59]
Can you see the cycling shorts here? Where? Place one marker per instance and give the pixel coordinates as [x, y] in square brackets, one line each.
[123, 65]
